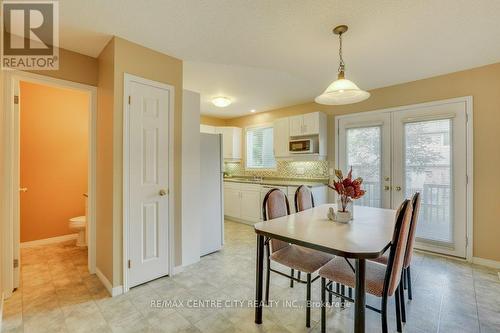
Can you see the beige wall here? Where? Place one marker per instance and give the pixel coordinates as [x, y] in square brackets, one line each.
[120, 57]
[54, 143]
[483, 84]
[74, 67]
[206, 120]
[104, 162]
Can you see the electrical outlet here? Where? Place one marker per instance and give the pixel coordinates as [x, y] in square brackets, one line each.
[300, 171]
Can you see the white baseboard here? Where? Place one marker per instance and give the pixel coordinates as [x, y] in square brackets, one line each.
[177, 270]
[51, 240]
[486, 262]
[113, 291]
[1, 311]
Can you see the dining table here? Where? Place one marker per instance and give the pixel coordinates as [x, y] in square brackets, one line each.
[367, 236]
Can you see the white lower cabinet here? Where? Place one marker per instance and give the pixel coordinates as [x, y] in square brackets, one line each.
[243, 202]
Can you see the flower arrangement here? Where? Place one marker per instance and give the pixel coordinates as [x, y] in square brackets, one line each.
[347, 189]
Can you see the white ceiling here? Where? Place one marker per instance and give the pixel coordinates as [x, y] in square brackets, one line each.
[266, 54]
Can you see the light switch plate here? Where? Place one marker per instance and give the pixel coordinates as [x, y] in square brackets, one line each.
[300, 171]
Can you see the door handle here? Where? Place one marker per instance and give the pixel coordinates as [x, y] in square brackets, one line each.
[398, 188]
[23, 189]
[163, 192]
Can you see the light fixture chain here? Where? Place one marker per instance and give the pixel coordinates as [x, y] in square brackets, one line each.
[341, 65]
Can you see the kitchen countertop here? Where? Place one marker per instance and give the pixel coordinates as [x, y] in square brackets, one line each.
[276, 182]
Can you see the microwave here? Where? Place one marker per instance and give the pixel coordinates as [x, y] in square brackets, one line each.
[303, 146]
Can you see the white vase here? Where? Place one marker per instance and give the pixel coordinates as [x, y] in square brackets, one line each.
[349, 208]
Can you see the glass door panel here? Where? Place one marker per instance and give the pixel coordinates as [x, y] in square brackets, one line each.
[364, 145]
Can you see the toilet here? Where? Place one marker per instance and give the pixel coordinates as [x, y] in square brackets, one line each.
[79, 224]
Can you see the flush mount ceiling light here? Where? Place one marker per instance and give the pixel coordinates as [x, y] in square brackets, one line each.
[253, 110]
[221, 102]
[341, 91]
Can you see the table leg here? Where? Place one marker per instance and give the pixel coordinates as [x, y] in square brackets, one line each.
[259, 275]
[359, 300]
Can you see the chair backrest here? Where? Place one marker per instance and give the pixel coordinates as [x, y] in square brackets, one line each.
[415, 201]
[398, 247]
[303, 198]
[275, 205]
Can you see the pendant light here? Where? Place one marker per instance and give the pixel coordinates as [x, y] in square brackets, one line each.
[341, 91]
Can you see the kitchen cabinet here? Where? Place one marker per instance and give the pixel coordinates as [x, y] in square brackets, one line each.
[231, 142]
[307, 124]
[242, 201]
[207, 129]
[281, 137]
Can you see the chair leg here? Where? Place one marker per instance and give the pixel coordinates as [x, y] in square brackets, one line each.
[383, 314]
[398, 308]
[337, 287]
[298, 275]
[403, 278]
[350, 292]
[323, 305]
[408, 277]
[308, 300]
[342, 291]
[403, 306]
[268, 276]
[291, 280]
[330, 296]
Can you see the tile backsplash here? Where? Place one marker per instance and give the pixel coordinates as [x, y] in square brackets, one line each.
[284, 169]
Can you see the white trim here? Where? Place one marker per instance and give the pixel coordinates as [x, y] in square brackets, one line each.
[127, 79]
[1, 309]
[10, 229]
[113, 291]
[51, 240]
[486, 262]
[468, 100]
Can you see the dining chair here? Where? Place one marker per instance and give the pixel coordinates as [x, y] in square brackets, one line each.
[416, 199]
[295, 257]
[304, 199]
[381, 280]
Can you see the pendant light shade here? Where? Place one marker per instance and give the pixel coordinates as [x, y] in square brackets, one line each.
[341, 91]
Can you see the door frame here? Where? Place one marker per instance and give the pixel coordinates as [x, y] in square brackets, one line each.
[127, 80]
[468, 100]
[11, 127]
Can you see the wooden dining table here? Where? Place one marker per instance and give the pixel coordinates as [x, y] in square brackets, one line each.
[367, 236]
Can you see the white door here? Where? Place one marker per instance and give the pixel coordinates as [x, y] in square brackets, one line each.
[364, 143]
[430, 157]
[296, 126]
[418, 148]
[148, 182]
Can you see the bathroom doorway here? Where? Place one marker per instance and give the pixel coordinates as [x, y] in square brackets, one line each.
[51, 145]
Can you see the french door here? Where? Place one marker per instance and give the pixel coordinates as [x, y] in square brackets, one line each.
[421, 148]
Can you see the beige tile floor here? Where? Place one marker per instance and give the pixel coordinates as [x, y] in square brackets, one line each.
[58, 295]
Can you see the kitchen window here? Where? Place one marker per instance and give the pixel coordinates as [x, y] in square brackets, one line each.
[259, 148]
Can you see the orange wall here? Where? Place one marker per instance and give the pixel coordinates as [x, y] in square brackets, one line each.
[54, 157]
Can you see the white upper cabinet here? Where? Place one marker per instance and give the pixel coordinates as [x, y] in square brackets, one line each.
[281, 137]
[307, 124]
[231, 142]
[207, 129]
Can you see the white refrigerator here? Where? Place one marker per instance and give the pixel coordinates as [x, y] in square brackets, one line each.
[211, 193]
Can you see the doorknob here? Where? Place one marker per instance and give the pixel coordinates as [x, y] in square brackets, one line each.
[398, 188]
[162, 192]
[23, 189]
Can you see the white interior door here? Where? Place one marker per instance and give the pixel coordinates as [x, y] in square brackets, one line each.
[148, 182]
[430, 158]
[416, 148]
[364, 142]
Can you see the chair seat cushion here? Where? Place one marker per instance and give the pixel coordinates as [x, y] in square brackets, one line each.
[301, 258]
[384, 259]
[338, 270]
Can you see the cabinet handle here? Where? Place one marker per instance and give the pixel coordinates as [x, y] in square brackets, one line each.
[398, 188]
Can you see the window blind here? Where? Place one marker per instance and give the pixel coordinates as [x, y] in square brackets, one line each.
[259, 148]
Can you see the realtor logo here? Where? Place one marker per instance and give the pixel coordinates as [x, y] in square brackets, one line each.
[30, 32]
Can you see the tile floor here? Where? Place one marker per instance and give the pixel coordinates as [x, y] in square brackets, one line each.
[58, 295]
